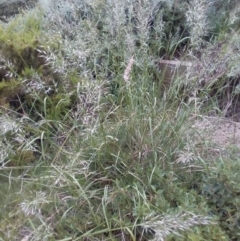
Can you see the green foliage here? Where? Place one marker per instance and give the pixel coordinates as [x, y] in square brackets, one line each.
[19, 40]
[222, 193]
[89, 149]
[168, 23]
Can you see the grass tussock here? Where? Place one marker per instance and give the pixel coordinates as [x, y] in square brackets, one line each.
[92, 146]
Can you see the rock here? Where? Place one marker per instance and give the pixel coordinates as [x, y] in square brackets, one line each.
[12, 7]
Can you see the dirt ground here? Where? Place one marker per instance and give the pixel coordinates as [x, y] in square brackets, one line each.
[222, 132]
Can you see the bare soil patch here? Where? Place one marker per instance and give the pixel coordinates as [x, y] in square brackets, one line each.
[222, 132]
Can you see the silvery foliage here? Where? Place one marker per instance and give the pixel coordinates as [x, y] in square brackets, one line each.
[206, 18]
[163, 226]
[9, 130]
[67, 20]
[87, 27]
[13, 138]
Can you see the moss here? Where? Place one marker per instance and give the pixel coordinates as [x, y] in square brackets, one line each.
[20, 31]
[18, 44]
[23, 44]
[7, 90]
[23, 62]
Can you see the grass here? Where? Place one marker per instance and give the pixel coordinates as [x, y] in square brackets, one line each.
[92, 146]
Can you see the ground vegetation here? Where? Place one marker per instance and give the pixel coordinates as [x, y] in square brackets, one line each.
[92, 147]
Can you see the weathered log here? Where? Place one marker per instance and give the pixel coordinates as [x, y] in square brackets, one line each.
[170, 70]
